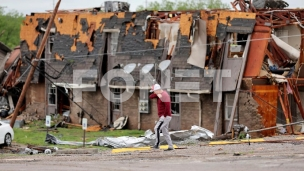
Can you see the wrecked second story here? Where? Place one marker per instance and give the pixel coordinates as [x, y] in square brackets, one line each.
[192, 45]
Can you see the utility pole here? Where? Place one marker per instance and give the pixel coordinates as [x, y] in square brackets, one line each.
[34, 65]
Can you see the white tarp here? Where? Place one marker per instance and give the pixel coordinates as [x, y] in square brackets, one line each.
[178, 137]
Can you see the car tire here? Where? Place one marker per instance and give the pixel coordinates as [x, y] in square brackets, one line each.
[8, 139]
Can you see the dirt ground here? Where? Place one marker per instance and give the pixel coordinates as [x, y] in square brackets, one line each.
[280, 153]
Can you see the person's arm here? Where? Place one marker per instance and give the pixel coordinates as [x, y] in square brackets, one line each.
[152, 96]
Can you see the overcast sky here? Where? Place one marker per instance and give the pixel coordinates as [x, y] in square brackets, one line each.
[28, 6]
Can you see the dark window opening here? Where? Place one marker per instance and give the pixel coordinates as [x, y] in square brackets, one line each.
[175, 103]
[63, 100]
[92, 38]
[105, 58]
[60, 20]
[52, 94]
[237, 45]
[152, 30]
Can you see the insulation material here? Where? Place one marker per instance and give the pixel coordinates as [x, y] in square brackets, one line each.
[185, 23]
[66, 23]
[199, 47]
[212, 21]
[290, 51]
[169, 31]
[278, 78]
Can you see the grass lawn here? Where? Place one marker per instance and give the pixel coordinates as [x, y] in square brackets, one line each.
[35, 133]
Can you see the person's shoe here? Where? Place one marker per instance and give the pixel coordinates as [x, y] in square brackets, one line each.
[169, 149]
[154, 147]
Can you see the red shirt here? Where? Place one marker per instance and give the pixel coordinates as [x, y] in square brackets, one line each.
[163, 104]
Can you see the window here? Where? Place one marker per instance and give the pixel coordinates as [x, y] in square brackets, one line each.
[175, 103]
[152, 30]
[52, 94]
[228, 107]
[237, 46]
[116, 99]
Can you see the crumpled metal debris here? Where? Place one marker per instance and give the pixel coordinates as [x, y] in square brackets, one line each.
[36, 150]
[196, 133]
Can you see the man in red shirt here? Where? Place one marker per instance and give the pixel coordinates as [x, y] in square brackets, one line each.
[164, 114]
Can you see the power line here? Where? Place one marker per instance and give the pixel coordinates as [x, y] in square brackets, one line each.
[146, 50]
[91, 116]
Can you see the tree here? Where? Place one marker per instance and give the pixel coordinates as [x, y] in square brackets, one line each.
[167, 5]
[10, 23]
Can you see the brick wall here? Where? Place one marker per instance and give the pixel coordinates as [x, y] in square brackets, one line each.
[94, 103]
[248, 113]
[189, 114]
[209, 112]
[148, 119]
[35, 93]
[130, 109]
[35, 100]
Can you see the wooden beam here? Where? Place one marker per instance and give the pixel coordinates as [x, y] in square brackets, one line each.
[236, 97]
[220, 95]
[285, 112]
[296, 96]
[286, 102]
[34, 65]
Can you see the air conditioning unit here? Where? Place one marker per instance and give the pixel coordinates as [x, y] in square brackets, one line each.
[144, 106]
[116, 6]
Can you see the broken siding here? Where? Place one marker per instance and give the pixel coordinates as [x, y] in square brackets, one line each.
[234, 67]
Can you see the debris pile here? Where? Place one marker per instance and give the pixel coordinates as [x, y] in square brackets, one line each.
[196, 133]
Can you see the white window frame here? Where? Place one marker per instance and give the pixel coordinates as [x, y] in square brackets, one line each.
[116, 99]
[175, 100]
[230, 97]
[52, 89]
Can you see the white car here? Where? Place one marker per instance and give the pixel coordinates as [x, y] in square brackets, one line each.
[6, 134]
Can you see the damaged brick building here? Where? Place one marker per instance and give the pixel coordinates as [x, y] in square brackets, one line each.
[194, 46]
